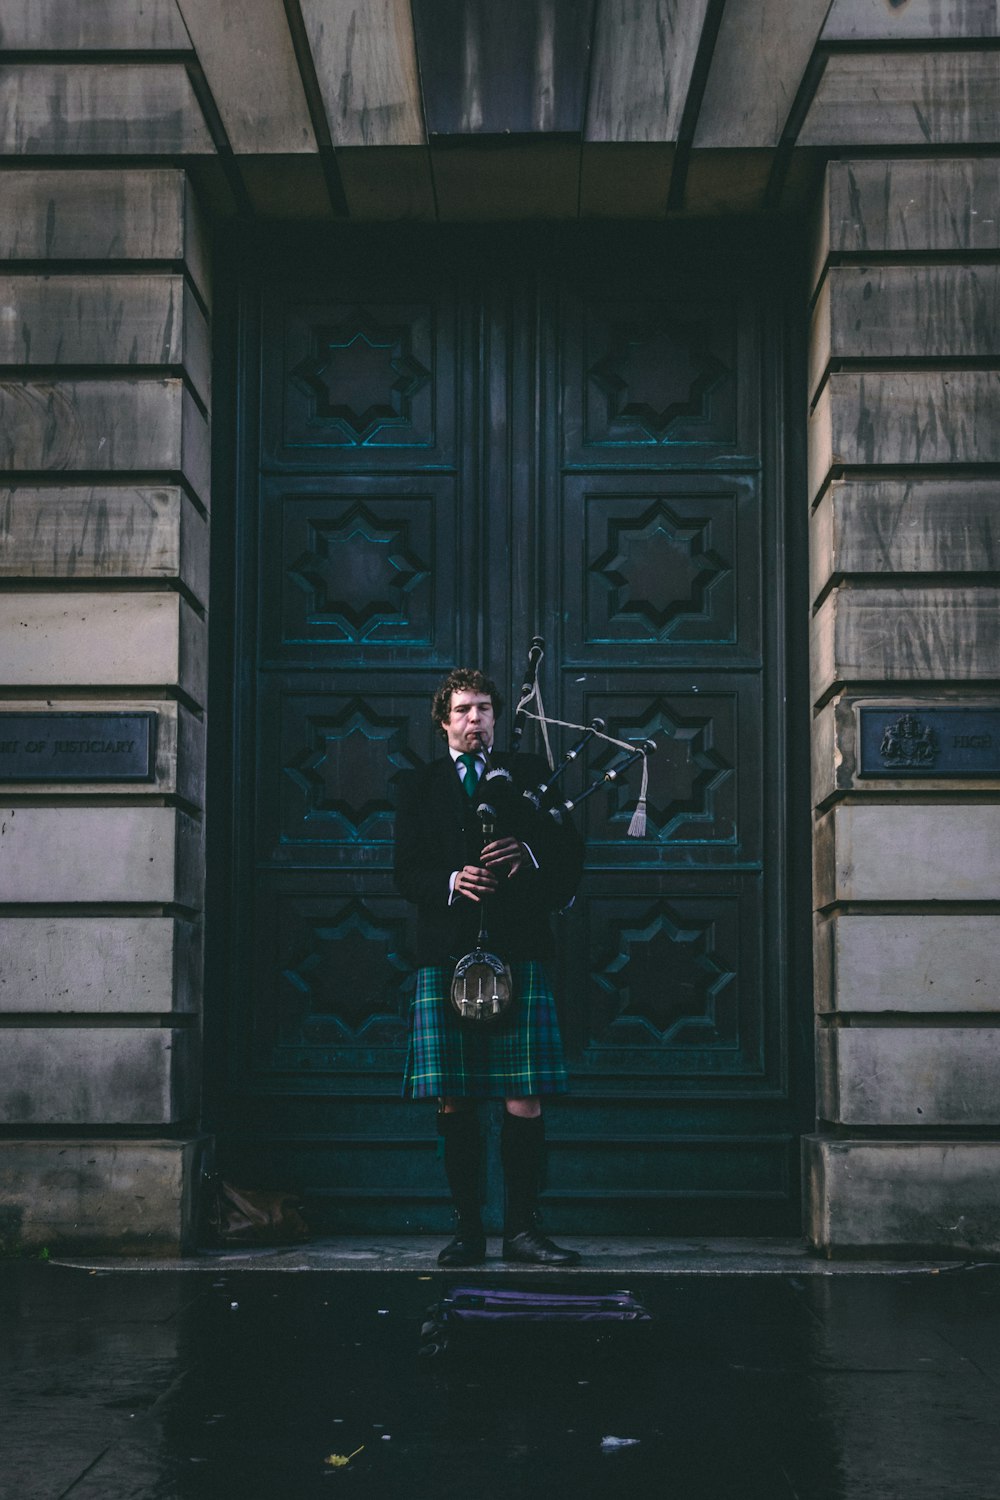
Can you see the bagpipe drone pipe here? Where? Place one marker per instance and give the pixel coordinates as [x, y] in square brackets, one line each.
[545, 799]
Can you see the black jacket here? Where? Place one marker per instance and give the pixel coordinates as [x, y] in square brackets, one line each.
[438, 831]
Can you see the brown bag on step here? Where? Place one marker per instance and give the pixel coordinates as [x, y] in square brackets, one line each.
[252, 1216]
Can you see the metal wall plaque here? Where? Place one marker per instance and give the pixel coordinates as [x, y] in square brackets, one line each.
[77, 747]
[934, 742]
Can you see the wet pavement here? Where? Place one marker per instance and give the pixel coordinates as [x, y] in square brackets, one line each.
[210, 1378]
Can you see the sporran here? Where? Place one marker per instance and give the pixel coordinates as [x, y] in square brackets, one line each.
[482, 990]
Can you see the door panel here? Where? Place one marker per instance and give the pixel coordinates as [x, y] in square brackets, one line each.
[458, 450]
[366, 376]
[360, 566]
[703, 800]
[656, 380]
[654, 564]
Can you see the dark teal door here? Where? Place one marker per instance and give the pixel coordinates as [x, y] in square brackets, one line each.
[450, 444]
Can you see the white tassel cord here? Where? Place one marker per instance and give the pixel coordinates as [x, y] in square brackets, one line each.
[637, 827]
[536, 693]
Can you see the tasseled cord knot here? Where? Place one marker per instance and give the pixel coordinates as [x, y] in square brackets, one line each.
[637, 827]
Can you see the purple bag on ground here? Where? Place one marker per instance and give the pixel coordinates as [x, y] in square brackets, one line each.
[476, 1307]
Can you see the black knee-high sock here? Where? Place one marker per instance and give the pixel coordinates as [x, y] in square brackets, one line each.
[460, 1131]
[522, 1152]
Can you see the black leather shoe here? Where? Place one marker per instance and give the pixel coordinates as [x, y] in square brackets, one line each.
[531, 1249]
[468, 1248]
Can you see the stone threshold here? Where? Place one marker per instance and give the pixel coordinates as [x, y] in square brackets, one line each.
[614, 1255]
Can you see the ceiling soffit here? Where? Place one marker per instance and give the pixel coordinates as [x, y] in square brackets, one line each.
[466, 109]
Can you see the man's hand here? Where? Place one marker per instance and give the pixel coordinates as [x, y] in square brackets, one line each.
[473, 882]
[502, 857]
[505, 856]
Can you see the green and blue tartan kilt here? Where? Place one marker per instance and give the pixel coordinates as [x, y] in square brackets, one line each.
[520, 1058]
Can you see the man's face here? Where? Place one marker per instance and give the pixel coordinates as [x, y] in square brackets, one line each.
[470, 717]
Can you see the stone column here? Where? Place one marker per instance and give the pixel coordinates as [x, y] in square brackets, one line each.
[904, 440]
[104, 498]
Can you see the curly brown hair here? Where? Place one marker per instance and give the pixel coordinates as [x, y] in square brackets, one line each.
[463, 680]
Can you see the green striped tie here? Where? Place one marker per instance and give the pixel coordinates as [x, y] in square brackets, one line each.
[471, 774]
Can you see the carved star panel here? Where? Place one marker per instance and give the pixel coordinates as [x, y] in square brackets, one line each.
[653, 379]
[356, 575]
[363, 376]
[665, 572]
[659, 563]
[326, 795]
[664, 979]
[342, 971]
[675, 985]
[363, 379]
[366, 566]
[703, 806]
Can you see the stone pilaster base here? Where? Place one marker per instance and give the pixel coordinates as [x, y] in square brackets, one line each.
[902, 1197]
[101, 1197]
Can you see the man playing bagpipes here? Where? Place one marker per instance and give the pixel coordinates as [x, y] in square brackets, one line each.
[468, 842]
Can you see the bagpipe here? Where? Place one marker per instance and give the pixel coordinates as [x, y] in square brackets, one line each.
[481, 987]
[497, 779]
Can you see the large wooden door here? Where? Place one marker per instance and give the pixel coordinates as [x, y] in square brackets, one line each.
[450, 445]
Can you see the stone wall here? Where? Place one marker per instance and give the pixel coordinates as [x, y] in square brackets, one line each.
[105, 397]
[904, 551]
[319, 112]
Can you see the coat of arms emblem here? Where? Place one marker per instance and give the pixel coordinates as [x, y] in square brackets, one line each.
[909, 745]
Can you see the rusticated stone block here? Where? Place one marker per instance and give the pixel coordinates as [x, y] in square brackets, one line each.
[103, 640]
[908, 206]
[366, 63]
[925, 98]
[904, 312]
[107, 426]
[907, 852]
[903, 417]
[34, 25]
[105, 531]
[751, 82]
[931, 962]
[99, 965]
[873, 20]
[895, 1076]
[640, 72]
[106, 320]
[905, 526]
[889, 635]
[105, 1075]
[107, 213]
[100, 1196]
[825, 756]
[101, 109]
[246, 50]
[927, 1197]
[70, 854]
